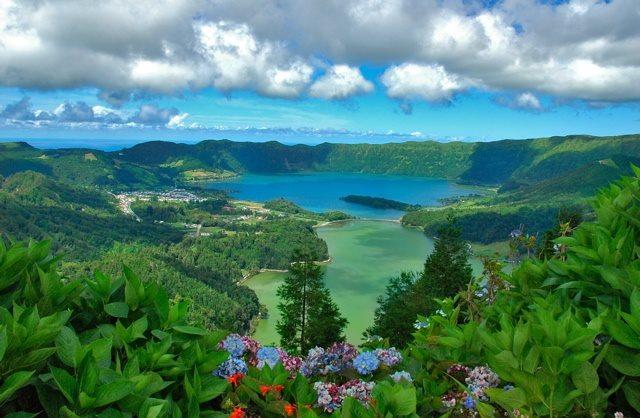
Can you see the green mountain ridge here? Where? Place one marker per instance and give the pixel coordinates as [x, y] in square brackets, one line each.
[158, 163]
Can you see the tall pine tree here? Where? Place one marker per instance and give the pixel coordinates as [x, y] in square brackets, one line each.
[446, 272]
[447, 269]
[396, 313]
[309, 317]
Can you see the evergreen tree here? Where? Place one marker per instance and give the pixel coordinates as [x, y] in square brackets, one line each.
[309, 315]
[396, 313]
[446, 272]
[325, 324]
[447, 269]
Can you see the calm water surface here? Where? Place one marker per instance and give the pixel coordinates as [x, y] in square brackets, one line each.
[320, 192]
[365, 255]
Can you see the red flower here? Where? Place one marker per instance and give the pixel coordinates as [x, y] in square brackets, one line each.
[278, 388]
[237, 413]
[289, 409]
[235, 379]
[264, 389]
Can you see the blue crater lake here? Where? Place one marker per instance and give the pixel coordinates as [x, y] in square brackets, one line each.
[365, 254]
[321, 192]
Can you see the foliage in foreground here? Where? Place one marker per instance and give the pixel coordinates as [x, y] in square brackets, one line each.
[558, 337]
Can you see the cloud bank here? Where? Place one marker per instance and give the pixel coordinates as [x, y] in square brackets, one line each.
[429, 50]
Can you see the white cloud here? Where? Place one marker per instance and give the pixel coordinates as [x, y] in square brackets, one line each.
[528, 101]
[177, 121]
[426, 82]
[80, 114]
[581, 49]
[237, 60]
[340, 82]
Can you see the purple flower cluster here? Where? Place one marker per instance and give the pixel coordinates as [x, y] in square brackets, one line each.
[291, 363]
[477, 379]
[331, 396]
[335, 359]
[357, 389]
[328, 396]
[481, 378]
[314, 363]
[347, 352]
[389, 356]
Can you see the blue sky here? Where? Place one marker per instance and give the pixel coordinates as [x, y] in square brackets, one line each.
[443, 70]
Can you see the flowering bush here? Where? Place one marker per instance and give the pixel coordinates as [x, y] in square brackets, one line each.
[366, 363]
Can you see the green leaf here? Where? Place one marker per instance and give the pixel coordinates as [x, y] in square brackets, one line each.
[86, 401]
[585, 378]
[520, 338]
[117, 309]
[623, 334]
[624, 360]
[131, 286]
[4, 342]
[485, 410]
[20, 415]
[632, 393]
[507, 399]
[13, 383]
[212, 387]
[185, 329]
[112, 392]
[65, 382]
[88, 372]
[68, 345]
[403, 401]
[634, 302]
[35, 357]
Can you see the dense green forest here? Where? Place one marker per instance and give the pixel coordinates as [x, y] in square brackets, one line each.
[287, 206]
[91, 232]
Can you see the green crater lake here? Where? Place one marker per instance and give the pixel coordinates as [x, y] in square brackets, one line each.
[365, 254]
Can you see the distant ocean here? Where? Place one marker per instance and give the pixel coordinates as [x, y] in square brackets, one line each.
[55, 143]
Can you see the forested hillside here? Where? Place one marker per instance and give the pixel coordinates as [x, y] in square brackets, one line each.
[517, 162]
[90, 230]
[533, 177]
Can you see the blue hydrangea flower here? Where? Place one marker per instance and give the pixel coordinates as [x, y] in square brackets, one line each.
[402, 375]
[230, 367]
[331, 363]
[469, 403]
[313, 362]
[268, 355]
[366, 363]
[234, 345]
